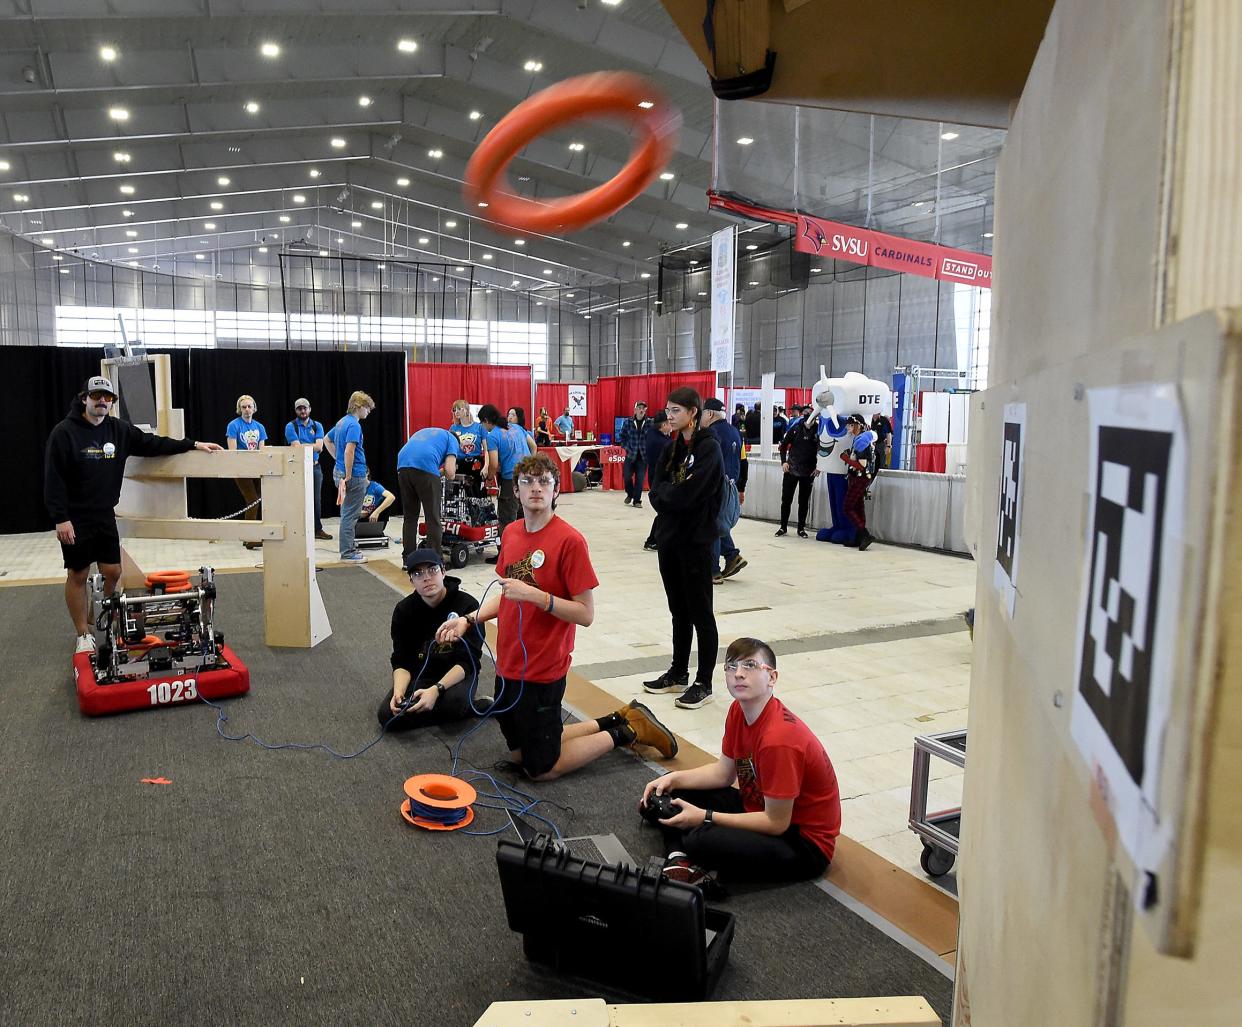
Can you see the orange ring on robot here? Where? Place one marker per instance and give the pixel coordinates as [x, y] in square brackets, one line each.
[168, 578]
[615, 93]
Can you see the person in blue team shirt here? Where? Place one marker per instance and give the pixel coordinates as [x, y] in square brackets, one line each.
[565, 423]
[472, 438]
[375, 501]
[500, 461]
[350, 471]
[418, 478]
[309, 433]
[245, 433]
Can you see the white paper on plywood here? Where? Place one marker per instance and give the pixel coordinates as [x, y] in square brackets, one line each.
[1130, 599]
[1009, 514]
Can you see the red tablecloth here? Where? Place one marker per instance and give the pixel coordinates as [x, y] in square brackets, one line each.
[930, 456]
[611, 459]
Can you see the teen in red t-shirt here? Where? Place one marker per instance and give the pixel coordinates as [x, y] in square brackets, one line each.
[547, 591]
[782, 820]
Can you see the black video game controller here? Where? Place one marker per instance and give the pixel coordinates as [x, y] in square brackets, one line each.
[659, 807]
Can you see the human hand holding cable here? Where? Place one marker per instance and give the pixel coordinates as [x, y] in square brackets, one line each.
[521, 591]
[452, 629]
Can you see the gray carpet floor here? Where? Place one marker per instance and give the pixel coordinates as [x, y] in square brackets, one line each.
[283, 887]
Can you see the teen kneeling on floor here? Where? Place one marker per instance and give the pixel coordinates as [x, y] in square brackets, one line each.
[782, 820]
[547, 591]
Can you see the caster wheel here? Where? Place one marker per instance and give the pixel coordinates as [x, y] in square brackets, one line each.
[936, 862]
[459, 556]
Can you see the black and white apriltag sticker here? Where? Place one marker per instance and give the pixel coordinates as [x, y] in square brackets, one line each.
[1127, 625]
[1009, 507]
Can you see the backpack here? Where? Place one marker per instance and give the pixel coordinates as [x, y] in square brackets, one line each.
[730, 511]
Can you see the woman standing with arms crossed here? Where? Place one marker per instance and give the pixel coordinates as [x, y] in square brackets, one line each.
[686, 493]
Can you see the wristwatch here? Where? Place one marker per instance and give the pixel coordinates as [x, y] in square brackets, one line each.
[439, 688]
[707, 817]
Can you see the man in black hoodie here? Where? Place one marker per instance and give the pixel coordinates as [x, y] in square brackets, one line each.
[430, 687]
[799, 450]
[84, 465]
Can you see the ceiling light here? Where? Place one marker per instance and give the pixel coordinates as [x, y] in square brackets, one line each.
[299, 198]
[948, 136]
[547, 270]
[381, 266]
[21, 198]
[610, 3]
[626, 243]
[252, 107]
[681, 226]
[127, 213]
[987, 235]
[435, 154]
[5, 165]
[276, 235]
[340, 241]
[586, 317]
[816, 270]
[519, 242]
[533, 66]
[217, 205]
[693, 263]
[127, 190]
[323, 253]
[313, 172]
[377, 205]
[667, 176]
[355, 224]
[645, 274]
[702, 294]
[132, 249]
[752, 246]
[57, 256]
[118, 113]
[337, 143]
[199, 256]
[488, 291]
[919, 203]
[475, 115]
[209, 226]
[403, 182]
[284, 219]
[435, 278]
[65, 270]
[203, 243]
[407, 45]
[107, 53]
[120, 156]
[364, 101]
[132, 233]
[222, 181]
[752, 283]
[646, 104]
[744, 141]
[450, 224]
[577, 147]
[487, 256]
[423, 240]
[515, 282]
[262, 249]
[269, 50]
[569, 295]
[482, 203]
[523, 178]
[539, 303]
[459, 267]
[46, 241]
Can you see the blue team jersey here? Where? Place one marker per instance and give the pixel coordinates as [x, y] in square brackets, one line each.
[470, 440]
[348, 429]
[512, 447]
[296, 431]
[427, 449]
[372, 498]
[565, 423]
[248, 434]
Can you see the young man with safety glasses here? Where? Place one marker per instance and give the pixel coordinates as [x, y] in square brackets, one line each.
[782, 820]
[84, 465]
[546, 592]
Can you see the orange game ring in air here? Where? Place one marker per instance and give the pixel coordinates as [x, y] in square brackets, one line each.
[615, 93]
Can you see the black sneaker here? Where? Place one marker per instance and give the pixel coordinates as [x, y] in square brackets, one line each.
[492, 559]
[864, 539]
[627, 500]
[667, 682]
[735, 564]
[693, 697]
[638, 504]
[802, 533]
[781, 531]
[650, 546]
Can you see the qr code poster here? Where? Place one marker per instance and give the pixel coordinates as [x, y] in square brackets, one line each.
[1131, 585]
[1009, 513]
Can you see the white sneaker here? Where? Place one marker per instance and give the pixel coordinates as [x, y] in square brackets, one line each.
[86, 644]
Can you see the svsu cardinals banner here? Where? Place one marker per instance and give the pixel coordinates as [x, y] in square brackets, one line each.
[836, 241]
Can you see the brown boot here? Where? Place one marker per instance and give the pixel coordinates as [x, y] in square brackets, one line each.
[647, 730]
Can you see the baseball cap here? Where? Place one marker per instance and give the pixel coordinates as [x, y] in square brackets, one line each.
[422, 556]
[301, 402]
[100, 384]
[856, 419]
[713, 404]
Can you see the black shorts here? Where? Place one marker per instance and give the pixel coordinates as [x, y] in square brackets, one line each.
[95, 543]
[533, 727]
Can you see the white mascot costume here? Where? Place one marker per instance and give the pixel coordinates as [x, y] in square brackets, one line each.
[834, 400]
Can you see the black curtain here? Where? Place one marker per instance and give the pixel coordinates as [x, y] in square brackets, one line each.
[206, 384]
[275, 378]
[44, 381]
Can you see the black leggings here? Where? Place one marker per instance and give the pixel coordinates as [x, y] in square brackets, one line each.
[686, 571]
[739, 855]
[453, 705]
[803, 485]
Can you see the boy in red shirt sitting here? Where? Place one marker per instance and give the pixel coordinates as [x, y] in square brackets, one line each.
[547, 591]
[782, 820]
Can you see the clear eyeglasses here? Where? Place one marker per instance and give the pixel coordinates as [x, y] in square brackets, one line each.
[746, 665]
[547, 483]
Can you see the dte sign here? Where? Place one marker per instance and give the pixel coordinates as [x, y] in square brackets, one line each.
[863, 400]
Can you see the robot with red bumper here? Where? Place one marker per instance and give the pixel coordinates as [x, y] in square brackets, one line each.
[159, 647]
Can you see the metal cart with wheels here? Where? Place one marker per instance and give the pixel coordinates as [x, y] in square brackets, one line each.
[939, 831]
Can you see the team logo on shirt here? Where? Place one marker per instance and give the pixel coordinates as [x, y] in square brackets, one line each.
[468, 442]
[251, 438]
[537, 558]
[109, 450]
[748, 781]
[524, 569]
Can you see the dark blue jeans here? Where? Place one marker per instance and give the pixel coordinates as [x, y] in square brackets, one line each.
[723, 546]
[634, 473]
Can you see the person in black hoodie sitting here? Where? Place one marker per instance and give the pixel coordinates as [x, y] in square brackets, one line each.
[436, 688]
[84, 465]
[686, 494]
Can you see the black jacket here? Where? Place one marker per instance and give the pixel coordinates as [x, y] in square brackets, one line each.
[686, 497]
[799, 448]
[84, 465]
[655, 449]
[414, 626]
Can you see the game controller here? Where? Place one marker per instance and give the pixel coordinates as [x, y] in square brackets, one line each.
[659, 807]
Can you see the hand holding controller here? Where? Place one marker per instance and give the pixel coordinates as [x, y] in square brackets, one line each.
[659, 807]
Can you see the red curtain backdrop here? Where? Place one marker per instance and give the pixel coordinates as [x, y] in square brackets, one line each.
[555, 396]
[617, 396]
[799, 397]
[433, 388]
